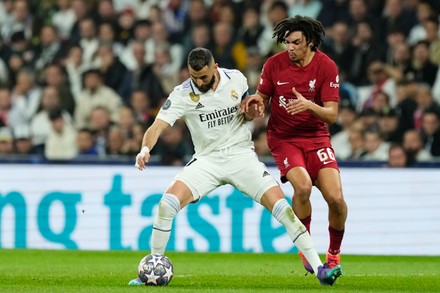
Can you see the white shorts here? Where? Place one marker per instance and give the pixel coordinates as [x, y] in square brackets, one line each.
[241, 169]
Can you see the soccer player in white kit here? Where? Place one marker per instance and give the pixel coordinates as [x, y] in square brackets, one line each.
[209, 103]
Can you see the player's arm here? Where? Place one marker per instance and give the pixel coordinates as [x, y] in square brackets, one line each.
[327, 113]
[254, 105]
[149, 141]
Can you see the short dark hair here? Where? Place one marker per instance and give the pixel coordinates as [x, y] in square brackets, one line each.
[312, 30]
[55, 114]
[199, 58]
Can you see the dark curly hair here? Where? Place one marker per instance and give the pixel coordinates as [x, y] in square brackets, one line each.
[312, 30]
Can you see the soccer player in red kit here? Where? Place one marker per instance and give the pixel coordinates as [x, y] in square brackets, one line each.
[302, 86]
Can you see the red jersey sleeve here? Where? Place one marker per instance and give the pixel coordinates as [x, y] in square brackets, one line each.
[266, 86]
[329, 90]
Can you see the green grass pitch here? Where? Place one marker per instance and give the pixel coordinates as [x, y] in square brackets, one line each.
[90, 271]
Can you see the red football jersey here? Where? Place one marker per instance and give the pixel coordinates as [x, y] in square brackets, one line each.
[318, 82]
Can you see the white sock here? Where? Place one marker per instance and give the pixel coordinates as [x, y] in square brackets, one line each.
[169, 206]
[297, 232]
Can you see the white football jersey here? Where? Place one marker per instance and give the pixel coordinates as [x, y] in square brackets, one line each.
[214, 118]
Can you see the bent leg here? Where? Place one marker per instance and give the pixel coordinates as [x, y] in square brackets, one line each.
[329, 183]
[173, 200]
[273, 199]
[302, 186]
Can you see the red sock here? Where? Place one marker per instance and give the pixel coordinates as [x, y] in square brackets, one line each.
[306, 222]
[336, 237]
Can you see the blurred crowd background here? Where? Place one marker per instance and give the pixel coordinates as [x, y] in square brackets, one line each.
[85, 78]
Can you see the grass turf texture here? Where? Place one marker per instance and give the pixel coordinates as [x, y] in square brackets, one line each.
[86, 271]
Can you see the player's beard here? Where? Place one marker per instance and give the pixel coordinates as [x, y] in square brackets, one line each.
[206, 87]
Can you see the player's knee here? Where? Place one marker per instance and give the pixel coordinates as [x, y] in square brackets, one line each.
[169, 206]
[303, 191]
[337, 204]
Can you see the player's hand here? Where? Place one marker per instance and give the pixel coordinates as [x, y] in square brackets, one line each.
[142, 158]
[297, 105]
[253, 106]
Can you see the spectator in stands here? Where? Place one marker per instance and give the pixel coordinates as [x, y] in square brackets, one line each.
[144, 78]
[64, 18]
[107, 35]
[380, 81]
[61, 142]
[140, 103]
[126, 121]
[406, 104]
[114, 142]
[49, 50]
[339, 138]
[95, 94]
[197, 13]
[389, 126]
[5, 105]
[200, 37]
[174, 18]
[413, 145]
[88, 40]
[228, 52]
[431, 131]
[375, 148]
[172, 148]
[338, 46]
[141, 35]
[86, 144]
[126, 24]
[418, 32]
[6, 141]
[55, 75]
[276, 12]
[421, 68]
[356, 141]
[432, 27]
[160, 37]
[82, 10]
[40, 125]
[23, 141]
[114, 73]
[399, 62]
[366, 50]
[26, 96]
[251, 33]
[21, 20]
[75, 69]
[100, 124]
[164, 69]
[310, 8]
[394, 38]
[425, 101]
[396, 15]
[398, 158]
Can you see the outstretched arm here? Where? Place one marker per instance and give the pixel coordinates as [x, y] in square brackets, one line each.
[149, 141]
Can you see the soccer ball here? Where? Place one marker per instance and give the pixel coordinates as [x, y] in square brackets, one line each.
[155, 270]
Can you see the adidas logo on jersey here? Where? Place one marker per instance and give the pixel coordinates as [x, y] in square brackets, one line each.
[265, 173]
[199, 105]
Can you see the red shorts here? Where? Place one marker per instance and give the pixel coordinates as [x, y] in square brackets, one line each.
[313, 154]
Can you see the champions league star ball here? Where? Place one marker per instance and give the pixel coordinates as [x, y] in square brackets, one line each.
[155, 270]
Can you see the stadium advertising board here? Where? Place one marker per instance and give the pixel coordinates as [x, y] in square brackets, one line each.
[112, 207]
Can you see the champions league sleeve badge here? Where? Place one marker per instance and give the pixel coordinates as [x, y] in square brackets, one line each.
[166, 105]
